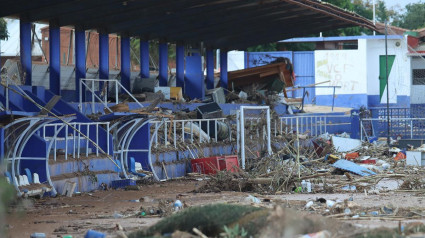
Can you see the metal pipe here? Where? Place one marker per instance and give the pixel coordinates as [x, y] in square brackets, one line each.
[175, 136]
[81, 96]
[388, 89]
[108, 137]
[87, 141]
[66, 142]
[200, 129]
[54, 152]
[269, 146]
[215, 130]
[79, 143]
[242, 139]
[97, 138]
[165, 133]
[92, 98]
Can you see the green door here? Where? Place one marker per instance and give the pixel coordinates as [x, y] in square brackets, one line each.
[383, 74]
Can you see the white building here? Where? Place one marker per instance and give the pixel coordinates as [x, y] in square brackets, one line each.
[357, 64]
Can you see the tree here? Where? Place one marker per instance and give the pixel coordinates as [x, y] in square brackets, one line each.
[263, 47]
[381, 12]
[412, 18]
[4, 34]
[361, 7]
[153, 50]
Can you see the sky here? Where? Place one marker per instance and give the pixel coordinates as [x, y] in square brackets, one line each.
[402, 3]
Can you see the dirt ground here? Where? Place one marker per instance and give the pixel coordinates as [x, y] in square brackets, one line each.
[103, 210]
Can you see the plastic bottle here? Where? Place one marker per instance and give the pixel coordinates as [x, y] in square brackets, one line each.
[178, 205]
[308, 186]
[309, 204]
[304, 186]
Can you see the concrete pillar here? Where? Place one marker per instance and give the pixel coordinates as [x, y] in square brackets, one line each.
[210, 68]
[180, 66]
[223, 68]
[54, 59]
[103, 58]
[80, 63]
[163, 64]
[125, 63]
[144, 59]
[355, 124]
[25, 50]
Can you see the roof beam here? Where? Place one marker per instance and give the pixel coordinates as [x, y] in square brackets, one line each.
[228, 27]
[65, 8]
[241, 42]
[181, 18]
[19, 7]
[110, 8]
[197, 23]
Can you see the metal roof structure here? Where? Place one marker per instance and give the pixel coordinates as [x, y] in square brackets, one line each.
[225, 24]
[340, 38]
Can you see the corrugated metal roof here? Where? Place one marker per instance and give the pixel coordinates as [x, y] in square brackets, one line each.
[352, 167]
[226, 24]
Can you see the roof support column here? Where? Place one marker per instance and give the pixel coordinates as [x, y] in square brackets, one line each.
[25, 50]
[180, 66]
[194, 77]
[55, 61]
[80, 63]
[163, 64]
[223, 68]
[103, 58]
[210, 68]
[144, 59]
[125, 63]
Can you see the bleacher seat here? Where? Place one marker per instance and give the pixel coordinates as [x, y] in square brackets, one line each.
[133, 168]
[36, 178]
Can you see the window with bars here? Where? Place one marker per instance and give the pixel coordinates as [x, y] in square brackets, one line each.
[418, 76]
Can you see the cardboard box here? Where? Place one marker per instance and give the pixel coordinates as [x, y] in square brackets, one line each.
[174, 93]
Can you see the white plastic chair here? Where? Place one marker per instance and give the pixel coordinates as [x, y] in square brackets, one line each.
[21, 180]
[25, 178]
[36, 179]
[138, 166]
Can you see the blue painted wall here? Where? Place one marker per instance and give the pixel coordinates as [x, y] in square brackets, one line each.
[343, 100]
[402, 101]
[141, 141]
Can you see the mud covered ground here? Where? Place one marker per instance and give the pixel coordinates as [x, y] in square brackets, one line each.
[106, 210]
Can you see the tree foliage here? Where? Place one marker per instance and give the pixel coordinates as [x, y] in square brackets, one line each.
[153, 50]
[412, 18]
[4, 34]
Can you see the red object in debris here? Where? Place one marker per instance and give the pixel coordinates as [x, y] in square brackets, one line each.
[211, 165]
[400, 156]
[368, 161]
[352, 156]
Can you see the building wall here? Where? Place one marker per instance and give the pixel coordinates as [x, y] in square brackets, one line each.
[357, 72]
[417, 95]
[235, 60]
[344, 68]
[399, 79]
[67, 48]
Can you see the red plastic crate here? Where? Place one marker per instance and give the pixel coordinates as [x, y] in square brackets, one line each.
[211, 165]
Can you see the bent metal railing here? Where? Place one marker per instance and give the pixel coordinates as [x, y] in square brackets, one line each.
[76, 139]
[16, 142]
[102, 98]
